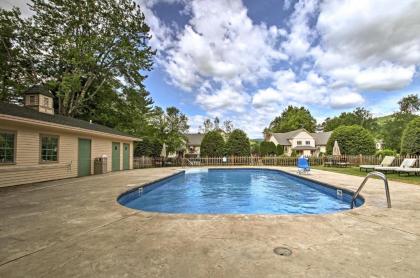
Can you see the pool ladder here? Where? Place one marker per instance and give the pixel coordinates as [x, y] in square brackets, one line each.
[373, 174]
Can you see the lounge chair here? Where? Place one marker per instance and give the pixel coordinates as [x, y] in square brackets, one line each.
[303, 165]
[408, 171]
[407, 163]
[386, 162]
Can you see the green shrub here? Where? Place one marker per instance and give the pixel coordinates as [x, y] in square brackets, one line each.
[410, 141]
[352, 140]
[255, 149]
[386, 152]
[280, 149]
[268, 148]
[212, 145]
[238, 144]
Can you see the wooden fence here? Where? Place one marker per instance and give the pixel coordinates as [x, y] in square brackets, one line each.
[352, 160]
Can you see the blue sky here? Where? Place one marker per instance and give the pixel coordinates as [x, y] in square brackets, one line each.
[246, 61]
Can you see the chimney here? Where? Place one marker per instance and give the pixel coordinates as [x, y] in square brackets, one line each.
[40, 99]
[267, 134]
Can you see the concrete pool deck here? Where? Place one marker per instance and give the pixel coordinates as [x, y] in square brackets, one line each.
[75, 228]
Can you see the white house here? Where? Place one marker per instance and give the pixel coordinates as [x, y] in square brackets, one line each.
[301, 141]
[192, 148]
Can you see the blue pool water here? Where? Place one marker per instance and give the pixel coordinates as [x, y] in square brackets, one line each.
[237, 191]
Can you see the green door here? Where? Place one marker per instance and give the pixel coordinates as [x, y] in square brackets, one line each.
[126, 157]
[84, 157]
[116, 156]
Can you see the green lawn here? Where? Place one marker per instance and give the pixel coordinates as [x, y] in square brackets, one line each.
[355, 172]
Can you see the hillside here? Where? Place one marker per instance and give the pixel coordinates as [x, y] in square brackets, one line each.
[381, 120]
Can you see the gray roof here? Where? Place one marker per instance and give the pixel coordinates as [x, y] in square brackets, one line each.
[194, 139]
[38, 89]
[320, 138]
[283, 138]
[24, 112]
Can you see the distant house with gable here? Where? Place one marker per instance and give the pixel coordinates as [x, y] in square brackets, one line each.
[193, 143]
[192, 148]
[300, 141]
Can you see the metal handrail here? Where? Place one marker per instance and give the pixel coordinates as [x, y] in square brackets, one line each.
[373, 174]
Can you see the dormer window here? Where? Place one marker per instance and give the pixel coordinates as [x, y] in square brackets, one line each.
[299, 143]
[307, 142]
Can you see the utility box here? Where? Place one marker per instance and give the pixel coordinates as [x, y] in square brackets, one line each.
[100, 165]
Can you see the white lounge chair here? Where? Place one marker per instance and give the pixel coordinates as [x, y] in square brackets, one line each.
[407, 163]
[386, 162]
[408, 171]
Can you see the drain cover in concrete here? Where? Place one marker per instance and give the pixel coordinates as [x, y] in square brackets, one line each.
[282, 251]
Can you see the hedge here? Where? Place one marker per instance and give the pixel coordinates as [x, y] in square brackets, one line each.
[410, 141]
[213, 145]
[352, 140]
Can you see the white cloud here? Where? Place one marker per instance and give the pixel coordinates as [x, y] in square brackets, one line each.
[299, 39]
[345, 99]
[266, 97]
[382, 77]
[388, 77]
[370, 32]
[223, 100]
[222, 43]
[369, 45]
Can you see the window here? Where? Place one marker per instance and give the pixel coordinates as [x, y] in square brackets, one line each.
[7, 147]
[49, 148]
[32, 100]
[307, 142]
[46, 102]
[299, 143]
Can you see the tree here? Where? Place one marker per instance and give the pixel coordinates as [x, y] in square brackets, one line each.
[410, 104]
[360, 116]
[268, 148]
[130, 111]
[213, 145]
[216, 123]
[255, 148]
[15, 68]
[293, 118]
[208, 125]
[148, 147]
[352, 140]
[228, 126]
[171, 127]
[238, 144]
[91, 44]
[392, 130]
[410, 142]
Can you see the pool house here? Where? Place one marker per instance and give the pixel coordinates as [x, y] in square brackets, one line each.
[37, 145]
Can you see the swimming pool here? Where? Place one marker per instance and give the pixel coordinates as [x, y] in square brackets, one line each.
[238, 191]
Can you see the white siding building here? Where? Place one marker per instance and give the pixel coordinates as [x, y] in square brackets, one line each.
[301, 141]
